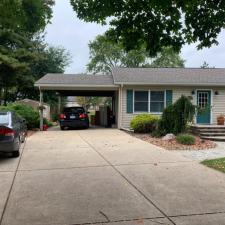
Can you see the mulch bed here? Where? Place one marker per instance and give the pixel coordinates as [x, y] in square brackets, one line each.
[173, 144]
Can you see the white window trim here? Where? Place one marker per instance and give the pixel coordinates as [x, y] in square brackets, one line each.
[149, 101]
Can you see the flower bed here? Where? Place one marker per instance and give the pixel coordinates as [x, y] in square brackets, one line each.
[200, 144]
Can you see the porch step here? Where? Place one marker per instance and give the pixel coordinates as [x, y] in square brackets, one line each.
[210, 132]
[221, 138]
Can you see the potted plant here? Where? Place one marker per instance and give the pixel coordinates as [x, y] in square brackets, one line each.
[220, 120]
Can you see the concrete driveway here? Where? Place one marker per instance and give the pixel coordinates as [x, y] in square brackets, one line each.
[105, 176]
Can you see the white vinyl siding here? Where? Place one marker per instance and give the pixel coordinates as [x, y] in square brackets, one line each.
[218, 101]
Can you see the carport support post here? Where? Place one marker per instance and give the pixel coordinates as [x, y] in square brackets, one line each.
[41, 110]
[59, 103]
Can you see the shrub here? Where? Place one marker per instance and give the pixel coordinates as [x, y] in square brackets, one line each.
[47, 122]
[27, 112]
[157, 133]
[176, 117]
[144, 123]
[185, 139]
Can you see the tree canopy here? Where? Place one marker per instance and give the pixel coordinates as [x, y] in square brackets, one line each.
[106, 54]
[155, 23]
[20, 22]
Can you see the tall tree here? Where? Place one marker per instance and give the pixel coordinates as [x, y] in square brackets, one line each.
[20, 20]
[106, 54]
[157, 24]
[51, 60]
[167, 58]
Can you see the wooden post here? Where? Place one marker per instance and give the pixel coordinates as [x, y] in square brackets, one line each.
[41, 110]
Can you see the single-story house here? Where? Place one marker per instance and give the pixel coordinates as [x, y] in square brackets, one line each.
[146, 90]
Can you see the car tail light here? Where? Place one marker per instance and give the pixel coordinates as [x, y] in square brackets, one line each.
[83, 116]
[62, 116]
[5, 131]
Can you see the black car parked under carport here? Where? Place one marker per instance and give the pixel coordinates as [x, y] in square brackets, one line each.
[73, 117]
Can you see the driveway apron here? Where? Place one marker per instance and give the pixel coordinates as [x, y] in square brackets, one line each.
[105, 176]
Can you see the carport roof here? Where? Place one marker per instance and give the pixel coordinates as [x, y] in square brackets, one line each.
[74, 79]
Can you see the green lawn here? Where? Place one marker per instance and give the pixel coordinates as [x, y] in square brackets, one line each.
[218, 164]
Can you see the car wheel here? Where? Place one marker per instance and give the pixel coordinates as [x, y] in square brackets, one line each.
[15, 154]
[62, 127]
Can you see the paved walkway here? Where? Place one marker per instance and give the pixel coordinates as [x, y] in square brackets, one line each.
[200, 155]
[105, 176]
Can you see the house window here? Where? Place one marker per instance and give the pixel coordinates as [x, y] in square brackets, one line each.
[157, 101]
[141, 101]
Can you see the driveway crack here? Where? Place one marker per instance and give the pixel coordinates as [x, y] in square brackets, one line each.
[128, 181]
[105, 216]
[13, 181]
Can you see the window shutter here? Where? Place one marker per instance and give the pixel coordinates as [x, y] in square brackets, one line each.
[169, 97]
[129, 101]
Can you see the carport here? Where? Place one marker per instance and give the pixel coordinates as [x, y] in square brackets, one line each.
[79, 85]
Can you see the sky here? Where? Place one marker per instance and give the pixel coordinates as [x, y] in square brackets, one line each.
[68, 31]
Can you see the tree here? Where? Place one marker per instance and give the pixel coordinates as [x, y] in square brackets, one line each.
[168, 58]
[87, 102]
[206, 65]
[157, 24]
[105, 55]
[51, 60]
[20, 20]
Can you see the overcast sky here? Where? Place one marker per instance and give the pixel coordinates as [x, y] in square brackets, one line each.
[68, 31]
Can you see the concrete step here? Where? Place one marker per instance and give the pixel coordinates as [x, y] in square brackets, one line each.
[221, 138]
[213, 134]
[210, 131]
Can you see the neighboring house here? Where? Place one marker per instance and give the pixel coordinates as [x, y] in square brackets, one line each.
[147, 90]
[35, 105]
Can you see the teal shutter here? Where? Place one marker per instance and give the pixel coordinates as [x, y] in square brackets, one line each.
[169, 97]
[129, 101]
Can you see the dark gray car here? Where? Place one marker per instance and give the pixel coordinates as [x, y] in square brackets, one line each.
[12, 133]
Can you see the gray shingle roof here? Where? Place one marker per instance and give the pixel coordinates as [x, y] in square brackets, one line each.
[171, 76]
[75, 79]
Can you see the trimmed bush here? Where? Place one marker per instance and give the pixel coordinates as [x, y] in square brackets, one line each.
[176, 117]
[27, 112]
[185, 139]
[144, 123]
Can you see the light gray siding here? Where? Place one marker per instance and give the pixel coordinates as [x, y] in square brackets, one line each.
[218, 101]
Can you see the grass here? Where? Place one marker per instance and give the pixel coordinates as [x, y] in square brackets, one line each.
[218, 164]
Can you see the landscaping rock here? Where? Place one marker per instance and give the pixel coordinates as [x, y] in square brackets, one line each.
[168, 137]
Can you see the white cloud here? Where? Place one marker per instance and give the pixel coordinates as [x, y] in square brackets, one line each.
[68, 31]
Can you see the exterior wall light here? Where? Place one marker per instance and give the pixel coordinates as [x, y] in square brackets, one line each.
[193, 92]
[216, 93]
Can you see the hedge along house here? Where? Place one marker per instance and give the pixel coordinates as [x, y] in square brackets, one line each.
[147, 90]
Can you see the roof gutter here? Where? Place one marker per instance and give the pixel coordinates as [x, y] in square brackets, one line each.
[172, 84]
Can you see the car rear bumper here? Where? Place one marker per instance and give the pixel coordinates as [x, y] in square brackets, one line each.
[74, 123]
[9, 146]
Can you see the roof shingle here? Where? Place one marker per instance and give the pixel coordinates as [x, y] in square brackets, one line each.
[170, 76]
[75, 79]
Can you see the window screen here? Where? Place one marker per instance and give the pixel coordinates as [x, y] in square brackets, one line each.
[157, 101]
[141, 101]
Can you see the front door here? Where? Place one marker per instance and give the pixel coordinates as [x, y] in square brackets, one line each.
[204, 107]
